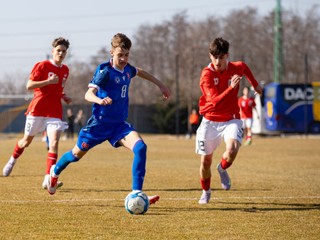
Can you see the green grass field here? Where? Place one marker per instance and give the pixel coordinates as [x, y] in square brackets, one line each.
[275, 193]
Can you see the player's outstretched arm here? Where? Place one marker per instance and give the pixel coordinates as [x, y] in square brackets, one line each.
[164, 89]
[258, 89]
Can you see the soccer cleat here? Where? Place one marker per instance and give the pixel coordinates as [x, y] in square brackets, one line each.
[205, 197]
[52, 182]
[46, 181]
[153, 199]
[8, 168]
[225, 179]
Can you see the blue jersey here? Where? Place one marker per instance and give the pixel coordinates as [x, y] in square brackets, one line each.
[112, 83]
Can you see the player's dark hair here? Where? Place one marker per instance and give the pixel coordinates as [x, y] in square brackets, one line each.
[60, 41]
[121, 40]
[219, 46]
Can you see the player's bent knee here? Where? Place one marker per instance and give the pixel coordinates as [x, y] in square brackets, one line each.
[139, 147]
[76, 157]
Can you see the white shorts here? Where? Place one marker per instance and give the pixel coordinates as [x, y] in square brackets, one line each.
[210, 134]
[247, 122]
[36, 125]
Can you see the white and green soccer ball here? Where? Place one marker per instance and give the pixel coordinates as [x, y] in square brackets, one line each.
[136, 203]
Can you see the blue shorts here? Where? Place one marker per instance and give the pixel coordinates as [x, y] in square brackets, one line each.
[96, 132]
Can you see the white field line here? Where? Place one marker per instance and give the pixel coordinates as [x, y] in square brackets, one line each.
[161, 199]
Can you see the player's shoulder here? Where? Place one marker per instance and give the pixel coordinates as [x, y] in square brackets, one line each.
[237, 64]
[208, 70]
[65, 67]
[48, 63]
[131, 67]
[105, 65]
[130, 70]
[42, 63]
[103, 69]
[237, 67]
[41, 66]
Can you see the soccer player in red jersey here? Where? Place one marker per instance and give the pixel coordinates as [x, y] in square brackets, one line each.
[44, 113]
[246, 104]
[219, 83]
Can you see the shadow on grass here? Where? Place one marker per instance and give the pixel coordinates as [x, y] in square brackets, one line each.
[65, 189]
[158, 210]
[215, 204]
[251, 208]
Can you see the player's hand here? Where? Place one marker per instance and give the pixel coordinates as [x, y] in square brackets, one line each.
[165, 92]
[105, 101]
[235, 80]
[54, 79]
[258, 89]
[66, 99]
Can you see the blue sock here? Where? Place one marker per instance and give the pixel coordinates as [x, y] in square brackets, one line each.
[64, 161]
[139, 164]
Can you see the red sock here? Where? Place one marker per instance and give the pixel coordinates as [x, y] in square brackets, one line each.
[205, 183]
[224, 164]
[51, 160]
[17, 151]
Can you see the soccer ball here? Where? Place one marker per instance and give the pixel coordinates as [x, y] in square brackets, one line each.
[136, 203]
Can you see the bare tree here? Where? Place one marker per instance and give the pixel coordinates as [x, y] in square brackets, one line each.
[155, 48]
[14, 84]
[301, 40]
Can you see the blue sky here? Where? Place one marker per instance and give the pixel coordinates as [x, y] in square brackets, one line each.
[28, 27]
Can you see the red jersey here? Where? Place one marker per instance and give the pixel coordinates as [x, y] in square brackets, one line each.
[219, 101]
[46, 100]
[246, 105]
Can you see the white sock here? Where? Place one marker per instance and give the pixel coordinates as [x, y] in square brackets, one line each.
[12, 160]
[207, 191]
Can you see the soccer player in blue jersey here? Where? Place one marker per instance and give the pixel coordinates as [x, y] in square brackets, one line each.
[108, 91]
